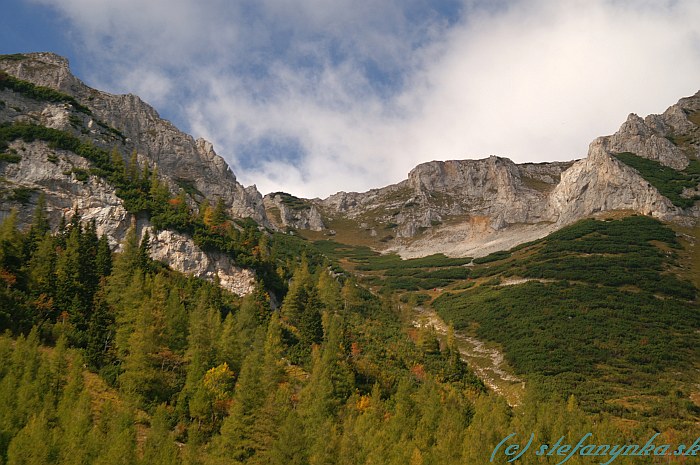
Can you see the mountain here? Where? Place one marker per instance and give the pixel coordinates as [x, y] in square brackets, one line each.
[460, 208]
[476, 207]
[119, 344]
[124, 123]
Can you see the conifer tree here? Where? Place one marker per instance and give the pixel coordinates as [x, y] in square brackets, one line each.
[42, 278]
[290, 448]
[133, 170]
[34, 444]
[159, 447]
[10, 249]
[118, 163]
[39, 226]
[329, 292]
[103, 257]
[237, 441]
[99, 348]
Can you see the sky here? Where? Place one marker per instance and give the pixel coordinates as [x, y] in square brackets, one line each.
[312, 97]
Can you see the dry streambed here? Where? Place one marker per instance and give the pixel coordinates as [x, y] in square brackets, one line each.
[484, 359]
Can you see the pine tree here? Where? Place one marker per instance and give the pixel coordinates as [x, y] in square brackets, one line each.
[39, 227]
[177, 322]
[118, 164]
[218, 216]
[490, 424]
[75, 420]
[145, 251]
[99, 348]
[329, 292]
[291, 447]
[89, 275]
[118, 437]
[125, 300]
[133, 170]
[10, 250]
[159, 448]
[145, 377]
[103, 258]
[237, 441]
[42, 278]
[33, 445]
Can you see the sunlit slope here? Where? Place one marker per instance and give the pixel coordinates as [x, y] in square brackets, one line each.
[601, 309]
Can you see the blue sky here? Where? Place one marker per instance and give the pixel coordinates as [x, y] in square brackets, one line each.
[316, 96]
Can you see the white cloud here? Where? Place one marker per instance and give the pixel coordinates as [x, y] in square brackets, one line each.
[531, 80]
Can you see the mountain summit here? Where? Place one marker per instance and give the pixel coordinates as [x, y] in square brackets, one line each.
[466, 207]
[475, 207]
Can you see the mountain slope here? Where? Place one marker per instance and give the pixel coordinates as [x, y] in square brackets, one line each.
[475, 207]
[600, 309]
[71, 165]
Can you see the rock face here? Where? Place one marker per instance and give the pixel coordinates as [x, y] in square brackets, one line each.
[125, 122]
[183, 255]
[179, 159]
[298, 215]
[475, 207]
[466, 207]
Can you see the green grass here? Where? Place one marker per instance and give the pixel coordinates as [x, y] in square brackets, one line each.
[666, 180]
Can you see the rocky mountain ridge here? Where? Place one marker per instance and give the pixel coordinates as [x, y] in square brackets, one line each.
[128, 124]
[458, 207]
[475, 207]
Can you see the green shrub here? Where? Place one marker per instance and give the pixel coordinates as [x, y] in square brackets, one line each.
[21, 194]
[39, 93]
[81, 174]
[10, 157]
[502, 255]
[666, 180]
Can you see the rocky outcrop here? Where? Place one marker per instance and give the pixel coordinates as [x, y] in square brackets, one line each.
[183, 255]
[474, 207]
[301, 216]
[58, 175]
[644, 140]
[131, 125]
[601, 183]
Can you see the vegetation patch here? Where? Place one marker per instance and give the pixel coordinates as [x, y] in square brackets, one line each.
[10, 157]
[295, 203]
[80, 174]
[189, 187]
[597, 328]
[13, 57]
[40, 93]
[21, 194]
[493, 257]
[666, 180]
[536, 184]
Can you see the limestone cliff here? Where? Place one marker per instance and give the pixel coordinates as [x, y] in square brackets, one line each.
[458, 207]
[287, 211]
[130, 125]
[475, 207]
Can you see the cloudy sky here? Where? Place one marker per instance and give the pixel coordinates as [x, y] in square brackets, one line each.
[316, 96]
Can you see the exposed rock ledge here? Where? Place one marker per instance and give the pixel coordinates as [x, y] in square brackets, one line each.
[183, 255]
